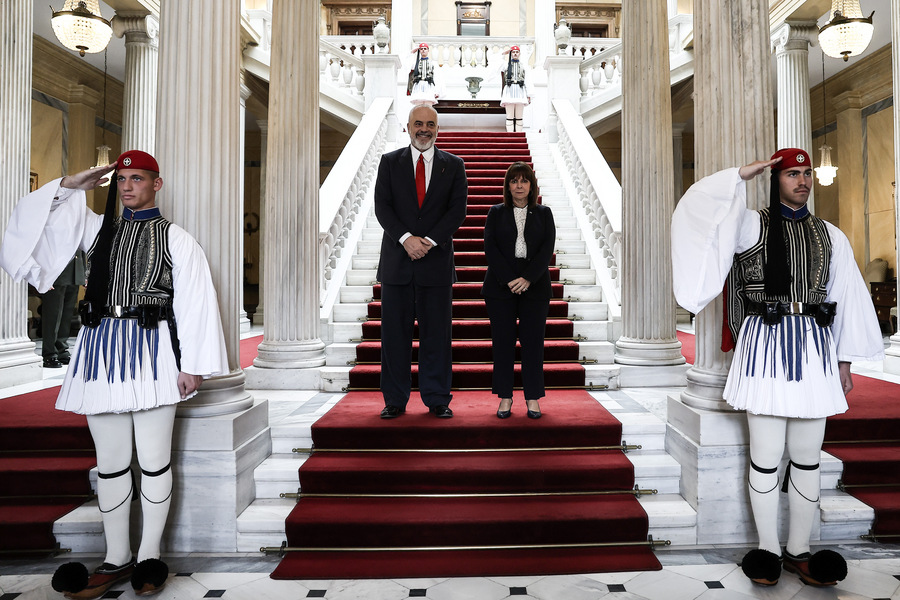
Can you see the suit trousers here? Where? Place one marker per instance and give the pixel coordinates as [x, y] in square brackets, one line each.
[57, 308]
[532, 317]
[432, 306]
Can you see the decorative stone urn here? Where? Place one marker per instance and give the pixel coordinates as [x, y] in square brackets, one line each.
[474, 85]
[562, 33]
[382, 33]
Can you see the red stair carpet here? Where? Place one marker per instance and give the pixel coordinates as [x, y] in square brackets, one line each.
[471, 496]
[867, 439]
[45, 458]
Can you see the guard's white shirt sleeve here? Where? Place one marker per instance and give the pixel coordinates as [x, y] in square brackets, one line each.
[856, 331]
[710, 225]
[196, 306]
[45, 230]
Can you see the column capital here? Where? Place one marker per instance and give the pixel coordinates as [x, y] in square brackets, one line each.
[678, 129]
[847, 100]
[82, 94]
[263, 125]
[795, 35]
[136, 28]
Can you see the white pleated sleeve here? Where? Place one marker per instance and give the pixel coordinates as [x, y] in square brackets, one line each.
[196, 306]
[710, 225]
[857, 334]
[46, 228]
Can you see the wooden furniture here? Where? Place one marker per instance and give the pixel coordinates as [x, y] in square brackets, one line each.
[884, 297]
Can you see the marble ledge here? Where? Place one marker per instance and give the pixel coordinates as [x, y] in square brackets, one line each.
[284, 379]
[653, 376]
[706, 427]
[221, 432]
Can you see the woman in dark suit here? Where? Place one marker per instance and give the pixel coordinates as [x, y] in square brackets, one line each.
[519, 237]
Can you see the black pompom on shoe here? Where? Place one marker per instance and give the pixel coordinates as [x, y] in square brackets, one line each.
[823, 569]
[70, 577]
[828, 565]
[762, 567]
[149, 577]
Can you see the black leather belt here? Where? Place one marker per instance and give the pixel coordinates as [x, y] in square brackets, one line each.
[147, 315]
[773, 311]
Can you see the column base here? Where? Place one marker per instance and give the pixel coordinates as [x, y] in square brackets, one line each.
[19, 364]
[892, 356]
[704, 390]
[258, 315]
[218, 396]
[244, 322]
[284, 379]
[646, 353]
[652, 376]
[290, 355]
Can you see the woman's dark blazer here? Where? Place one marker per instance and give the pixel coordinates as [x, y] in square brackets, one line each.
[500, 249]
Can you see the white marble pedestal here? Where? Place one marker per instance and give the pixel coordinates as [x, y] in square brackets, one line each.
[284, 379]
[213, 460]
[712, 450]
[653, 376]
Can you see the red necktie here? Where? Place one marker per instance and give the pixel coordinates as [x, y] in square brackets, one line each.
[420, 180]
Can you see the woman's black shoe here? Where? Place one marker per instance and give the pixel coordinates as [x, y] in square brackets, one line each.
[504, 414]
[533, 414]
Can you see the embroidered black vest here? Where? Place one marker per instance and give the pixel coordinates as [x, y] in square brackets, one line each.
[515, 74]
[424, 71]
[140, 263]
[809, 257]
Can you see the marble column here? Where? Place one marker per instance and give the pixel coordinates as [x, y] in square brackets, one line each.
[678, 159]
[851, 185]
[734, 125]
[791, 42]
[221, 434]
[401, 28]
[648, 306]
[243, 321]
[259, 314]
[291, 334]
[141, 33]
[544, 41]
[18, 361]
[892, 354]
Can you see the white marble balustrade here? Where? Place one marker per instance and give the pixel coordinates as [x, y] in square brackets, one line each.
[588, 47]
[341, 69]
[459, 51]
[342, 196]
[599, 193]
[603, 70]
[357, 45]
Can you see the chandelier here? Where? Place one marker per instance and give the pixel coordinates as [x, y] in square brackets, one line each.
[848, 33]
[79, 26]
[826, 171]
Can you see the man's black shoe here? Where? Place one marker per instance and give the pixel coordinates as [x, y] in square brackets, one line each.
[442, 411]
[52, 363]
[392, 412]
[64, 359]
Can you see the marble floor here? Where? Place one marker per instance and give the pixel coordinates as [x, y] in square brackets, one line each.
[689, 572]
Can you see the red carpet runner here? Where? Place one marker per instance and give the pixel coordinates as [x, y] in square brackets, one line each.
[867, 439]
[472, 496]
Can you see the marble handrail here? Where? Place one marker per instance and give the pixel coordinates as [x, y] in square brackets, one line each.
[460, 51]
[598, 191]
[345, 194]
[603, 70]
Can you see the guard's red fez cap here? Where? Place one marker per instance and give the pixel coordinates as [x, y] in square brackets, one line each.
[516, 48]
[791, 157]
[423, 45]
[136, 159]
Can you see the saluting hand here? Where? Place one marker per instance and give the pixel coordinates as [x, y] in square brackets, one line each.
[750, 171]
[89, 179]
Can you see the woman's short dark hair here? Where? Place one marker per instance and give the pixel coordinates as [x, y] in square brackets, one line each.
[525, 170]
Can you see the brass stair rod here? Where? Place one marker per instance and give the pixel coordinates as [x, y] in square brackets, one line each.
[285, 548]
[635, 492]
[623, 447]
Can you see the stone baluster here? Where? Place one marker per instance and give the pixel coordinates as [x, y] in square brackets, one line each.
[141, 33]
[18, 361]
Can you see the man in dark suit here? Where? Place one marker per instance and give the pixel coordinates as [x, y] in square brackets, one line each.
[420, 201]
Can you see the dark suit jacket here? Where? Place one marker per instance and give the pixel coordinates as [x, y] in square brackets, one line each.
[500, 249]
[398, 212]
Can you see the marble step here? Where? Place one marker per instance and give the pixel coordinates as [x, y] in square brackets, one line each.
[560, 217]
[356, 312]
[278, 474]
[642, 429]
[843, 517]
[338, 354]
[569, 276]
[572, 293]
[372, 246]
[262, 524]
[336, 378]
[671, 518]
[562, 233]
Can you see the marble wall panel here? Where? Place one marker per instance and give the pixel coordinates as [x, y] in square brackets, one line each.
[46, 142]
